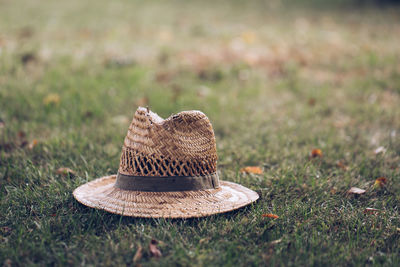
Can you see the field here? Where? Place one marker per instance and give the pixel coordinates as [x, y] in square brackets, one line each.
[309, 94]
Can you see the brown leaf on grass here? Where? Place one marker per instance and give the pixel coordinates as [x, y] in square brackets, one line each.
[370, 211]
[380, 182]
[342, 165]
[65, 171]
[51, 99]
[356, 190]
[33, 144]
[251, 169]
[270, 215]
[316, 153]
[154, 251]
[21, 134]
[138, 255]
[311, 101]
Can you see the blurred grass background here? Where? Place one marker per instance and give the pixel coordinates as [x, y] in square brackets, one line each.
[276, 78]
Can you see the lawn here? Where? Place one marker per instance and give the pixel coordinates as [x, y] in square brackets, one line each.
[277, 81]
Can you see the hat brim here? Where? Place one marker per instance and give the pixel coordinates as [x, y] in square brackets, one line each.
[101, 194]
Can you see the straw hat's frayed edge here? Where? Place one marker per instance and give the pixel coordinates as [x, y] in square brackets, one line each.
[101, 194]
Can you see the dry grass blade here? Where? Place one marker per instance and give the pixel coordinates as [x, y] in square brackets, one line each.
[138, 255]
[154, 251]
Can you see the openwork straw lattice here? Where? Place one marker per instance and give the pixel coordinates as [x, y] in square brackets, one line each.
[182, 145]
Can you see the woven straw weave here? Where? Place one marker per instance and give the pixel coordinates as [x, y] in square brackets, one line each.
[182, 145]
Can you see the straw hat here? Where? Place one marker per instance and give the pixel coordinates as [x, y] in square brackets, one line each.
[168, 168]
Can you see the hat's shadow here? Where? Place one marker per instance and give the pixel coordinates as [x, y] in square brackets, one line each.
[109, 221]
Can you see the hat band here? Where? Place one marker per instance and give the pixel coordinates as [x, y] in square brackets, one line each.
[167, 184]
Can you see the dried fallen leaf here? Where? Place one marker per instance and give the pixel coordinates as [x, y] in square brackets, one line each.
[380, 182]
[138, 255]
[379, 150]
[51, 99]
[270, 215]
[65, 171]
[21, 134]
[316, 153]
[370, 211]
[33, 144]
[251, 169]
[311, 101]
[356, 190]
[154, 251]
[342, 165]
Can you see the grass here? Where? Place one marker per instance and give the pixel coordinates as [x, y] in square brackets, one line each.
[276, 83]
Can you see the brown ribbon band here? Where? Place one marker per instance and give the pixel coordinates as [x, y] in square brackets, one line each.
[166, 184]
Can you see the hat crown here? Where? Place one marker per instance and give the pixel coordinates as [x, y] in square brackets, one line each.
[181, 145]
